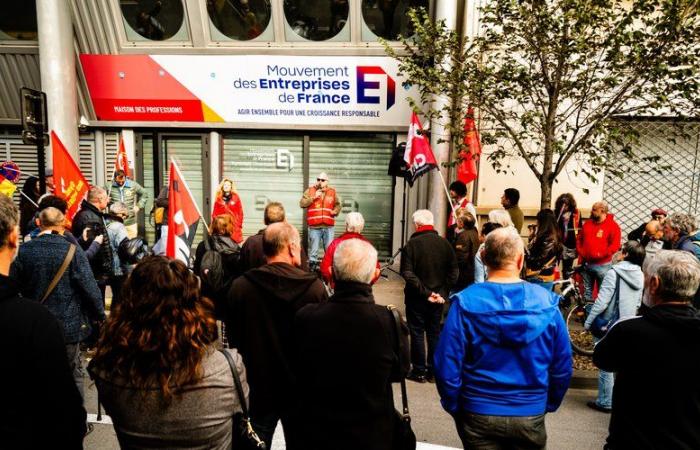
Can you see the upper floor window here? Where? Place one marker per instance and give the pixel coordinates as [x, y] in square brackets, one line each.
[317, 20]
[388, 18]
[154, 20]
[240, 20]
[18, 21]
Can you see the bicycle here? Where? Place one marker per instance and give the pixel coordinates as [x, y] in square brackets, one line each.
[573, 309]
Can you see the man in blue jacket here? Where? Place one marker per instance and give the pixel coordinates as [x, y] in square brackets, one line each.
[504, 358]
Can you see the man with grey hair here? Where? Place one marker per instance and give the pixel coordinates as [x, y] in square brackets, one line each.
[354, 224]
[56, 273]
[259, 313]
[429, 266]
[680, 232]
[657, 360]
[353, 339]
[597, 242]
[32, 344]
[504, 357]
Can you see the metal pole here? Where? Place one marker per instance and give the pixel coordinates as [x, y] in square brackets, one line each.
[41, 155]
[58, 73]
[445, 10]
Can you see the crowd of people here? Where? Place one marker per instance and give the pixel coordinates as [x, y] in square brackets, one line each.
[312, 349]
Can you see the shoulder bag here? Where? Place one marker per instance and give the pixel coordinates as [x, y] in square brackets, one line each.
[404, 437]
[59, 273]
[244, 436]
[602, 323]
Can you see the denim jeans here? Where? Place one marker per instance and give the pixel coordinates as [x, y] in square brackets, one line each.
[316, 235]
[76, 366]
[481, 432]
[593, 273]
[606, 382]
[423, 321]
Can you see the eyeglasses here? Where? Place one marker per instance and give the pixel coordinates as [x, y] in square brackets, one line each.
[321, 179]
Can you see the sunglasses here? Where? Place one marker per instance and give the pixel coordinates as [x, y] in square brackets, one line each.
[321, 179]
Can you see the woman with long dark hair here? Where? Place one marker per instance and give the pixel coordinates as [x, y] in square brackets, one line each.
[156, 369]
[543, 251]
[568, 223]
[28, 204]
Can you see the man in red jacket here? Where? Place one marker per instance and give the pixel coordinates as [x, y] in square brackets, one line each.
[354, 224]
[597, 242]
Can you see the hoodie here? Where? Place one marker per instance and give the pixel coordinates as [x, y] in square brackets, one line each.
[598, 242]
[259, 311]
[656, 398]
[503, 351]
[631, 287]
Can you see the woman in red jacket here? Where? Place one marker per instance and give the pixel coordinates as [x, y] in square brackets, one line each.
[228, 202]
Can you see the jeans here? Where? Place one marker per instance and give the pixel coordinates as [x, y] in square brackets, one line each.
[479, 432]
[316, 235]
[423, 320]
[606, 382]
[76, 366]
[264, 425]
[593, 273]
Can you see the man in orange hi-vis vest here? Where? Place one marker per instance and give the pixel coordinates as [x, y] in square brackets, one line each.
[322, 204]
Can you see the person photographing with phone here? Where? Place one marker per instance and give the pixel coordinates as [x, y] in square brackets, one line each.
[322, 204]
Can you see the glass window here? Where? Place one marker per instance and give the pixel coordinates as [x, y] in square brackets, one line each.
[356, 168]
[18, 21]
[387, 18]
[317, 20]
[155, 20]
[240, 20]
[266, 168]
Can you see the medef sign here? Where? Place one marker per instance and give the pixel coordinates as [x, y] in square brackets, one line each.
[253, 89]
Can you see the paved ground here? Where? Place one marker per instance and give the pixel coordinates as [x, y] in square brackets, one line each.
[574, 426]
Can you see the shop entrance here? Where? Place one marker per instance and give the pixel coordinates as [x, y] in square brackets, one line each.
[190, 152]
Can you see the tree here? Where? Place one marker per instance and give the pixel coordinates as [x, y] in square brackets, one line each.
[552, 78]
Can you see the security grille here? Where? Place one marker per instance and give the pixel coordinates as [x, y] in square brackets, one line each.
[633, 197]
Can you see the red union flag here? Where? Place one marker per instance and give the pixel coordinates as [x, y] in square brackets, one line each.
[418, 155]
[122, 161]
[70, 184]
[466, 170]
[183, 217]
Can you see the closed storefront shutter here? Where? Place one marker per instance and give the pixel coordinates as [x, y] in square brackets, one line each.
[265, 169]
[642, 189]
[357, 169]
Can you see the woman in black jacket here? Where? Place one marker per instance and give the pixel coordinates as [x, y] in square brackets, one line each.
[466, 244]
[543, 251]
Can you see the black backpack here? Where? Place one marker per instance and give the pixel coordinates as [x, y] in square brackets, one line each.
[219, 265]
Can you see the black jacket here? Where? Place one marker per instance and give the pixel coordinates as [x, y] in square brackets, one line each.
[35, 378]
[90, 216]
[231, 263]
[656, 398]
[345, 360]
[260, 311]
[466, 245]
[428, 264]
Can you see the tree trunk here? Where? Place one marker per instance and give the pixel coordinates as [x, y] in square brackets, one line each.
[546, 187]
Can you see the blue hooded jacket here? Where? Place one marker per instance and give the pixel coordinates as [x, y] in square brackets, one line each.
[504, 351]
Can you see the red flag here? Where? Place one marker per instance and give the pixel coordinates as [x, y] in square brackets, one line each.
[418, 155]
[70, 184]
[466, 170]
[122, 161]
[183, 217]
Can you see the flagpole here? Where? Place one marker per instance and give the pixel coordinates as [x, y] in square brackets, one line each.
[447, 192]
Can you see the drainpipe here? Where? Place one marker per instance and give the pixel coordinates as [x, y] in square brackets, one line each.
[58, 75]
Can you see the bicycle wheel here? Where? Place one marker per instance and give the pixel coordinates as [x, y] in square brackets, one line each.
[581, 339]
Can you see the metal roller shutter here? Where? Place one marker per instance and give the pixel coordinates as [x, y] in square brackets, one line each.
[357, 168]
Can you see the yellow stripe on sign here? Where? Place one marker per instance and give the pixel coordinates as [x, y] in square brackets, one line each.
[209, 114]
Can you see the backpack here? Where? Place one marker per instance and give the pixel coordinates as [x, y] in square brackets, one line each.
[219, 265]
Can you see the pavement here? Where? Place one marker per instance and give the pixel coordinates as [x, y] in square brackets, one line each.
[573, 426]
